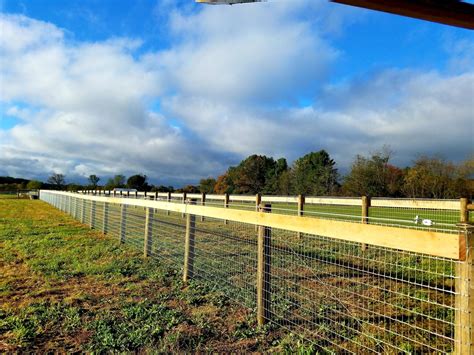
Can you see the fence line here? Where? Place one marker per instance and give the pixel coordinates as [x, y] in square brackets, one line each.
[406, 291]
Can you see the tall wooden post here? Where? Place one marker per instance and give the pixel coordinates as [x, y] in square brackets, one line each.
[264, 270]
[184, 201]
[203, 203]
[92, 215]
[123, 223]
[300, 212]
[168, 199]
[156, 195]
[136, 195]
[189, 245]
[148, 243]
[365, 216]
[226, 205]
[105, 221]
[258, 201]
[464, 319]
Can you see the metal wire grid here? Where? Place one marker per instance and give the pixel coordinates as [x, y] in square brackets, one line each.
[332, 292]
[225, 256]
[350, 300]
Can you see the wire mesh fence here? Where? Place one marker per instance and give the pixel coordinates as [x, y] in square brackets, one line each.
[332, 292]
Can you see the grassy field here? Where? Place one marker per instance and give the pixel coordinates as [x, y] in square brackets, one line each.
[67, 288]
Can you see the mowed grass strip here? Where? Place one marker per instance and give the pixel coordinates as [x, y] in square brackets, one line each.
[67, 288]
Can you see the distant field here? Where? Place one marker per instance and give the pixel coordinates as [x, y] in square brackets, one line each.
[67, 288]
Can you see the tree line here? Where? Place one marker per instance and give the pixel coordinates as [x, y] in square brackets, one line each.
[313, 174]
[316, 174]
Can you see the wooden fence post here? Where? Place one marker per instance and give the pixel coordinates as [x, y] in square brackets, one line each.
[300, 212]
[105, 221]
[264, 270]
[464, 319]
[258, 201]
[148, 243]
[184, 201]
[189, 245]
[226, 205]
[92, 215]
[123, 223]
[168, 199]
[203, 203]
[365, 216]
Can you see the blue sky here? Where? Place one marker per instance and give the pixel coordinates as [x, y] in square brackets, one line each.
[179, 91]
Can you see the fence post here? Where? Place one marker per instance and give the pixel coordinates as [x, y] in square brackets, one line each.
[156, 195]
[148, 243]
[203, 203]
[226, 205]
[300, 212]
[258, 201]
[264, 270]
[92, 215]
[123, 223]
[464, 319]
[189, 245]
[365, 216]
[83, 211]
[168, 199]
[184, 201]
[105, 222]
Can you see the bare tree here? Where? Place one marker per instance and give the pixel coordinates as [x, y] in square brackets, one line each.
[58, 180]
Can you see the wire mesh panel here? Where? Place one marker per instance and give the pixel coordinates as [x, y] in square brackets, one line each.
[168, 238]
[346, 299]
[225, 256]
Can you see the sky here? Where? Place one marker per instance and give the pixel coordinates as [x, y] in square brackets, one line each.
[180, 91]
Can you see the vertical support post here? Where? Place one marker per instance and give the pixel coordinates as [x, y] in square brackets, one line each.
[189, 245]
[464, 318]
[83, 211]
[184, 201]
[301, 200]
[203, 203]
[365, 216]
[148, 243]
[115, 193]
[226, 205]
[264, 270]
[168, 200]
[128, 194]
[105, 221]
[123, 223]
[156, 196]
[464, 212]
[92, 215]
[258, 201]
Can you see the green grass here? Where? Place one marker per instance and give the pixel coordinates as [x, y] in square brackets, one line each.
[68, 289]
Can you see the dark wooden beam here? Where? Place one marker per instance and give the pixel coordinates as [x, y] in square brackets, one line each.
[448, 12]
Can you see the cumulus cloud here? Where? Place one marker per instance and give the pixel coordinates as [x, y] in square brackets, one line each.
[229, 85]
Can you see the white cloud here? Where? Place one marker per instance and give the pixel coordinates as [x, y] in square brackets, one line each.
[228, 86]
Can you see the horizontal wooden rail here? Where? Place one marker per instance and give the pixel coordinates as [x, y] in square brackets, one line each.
[446, 245]
[452, 205]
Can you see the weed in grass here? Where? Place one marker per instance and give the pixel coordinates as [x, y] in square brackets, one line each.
[134, 326]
